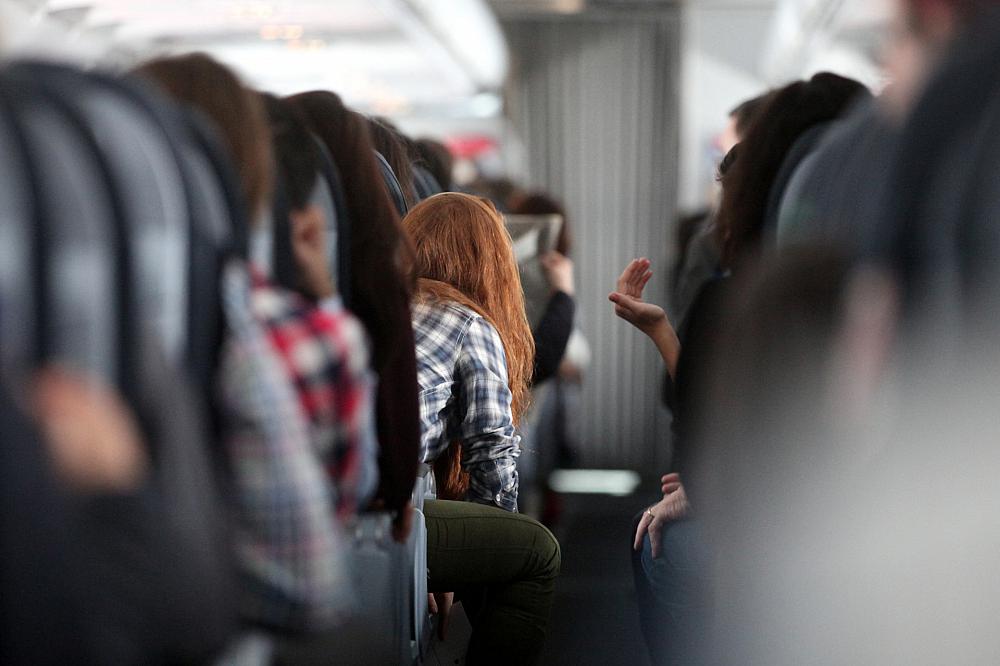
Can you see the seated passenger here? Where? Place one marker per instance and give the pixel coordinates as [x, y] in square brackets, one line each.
[437, 159]
[475, 355]
[380, 261]
[673, 591]
[338, 396]
[281, 360]
[553, 330]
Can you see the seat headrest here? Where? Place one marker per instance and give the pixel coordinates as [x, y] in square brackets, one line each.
[392, 184]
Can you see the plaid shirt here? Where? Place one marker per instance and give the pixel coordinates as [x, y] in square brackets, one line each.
[284, 450]
[465, 396]
[325, 350]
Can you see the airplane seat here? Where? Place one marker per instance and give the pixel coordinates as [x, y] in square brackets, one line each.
[19, 243]
[147, 189]
[803, 146]
[167, 190]
[159, 551]
[424, 183]
[216, 218]
[280, 257]
[377, 631]
[422, 622]
[340, 236]
[392, 184]
[78, 244]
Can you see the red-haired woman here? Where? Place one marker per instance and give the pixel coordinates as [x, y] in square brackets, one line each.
[474, 362]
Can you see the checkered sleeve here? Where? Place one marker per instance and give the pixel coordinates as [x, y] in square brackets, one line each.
[287, 542]
[491, 443]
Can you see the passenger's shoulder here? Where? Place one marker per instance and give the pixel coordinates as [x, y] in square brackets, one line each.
[444, 314]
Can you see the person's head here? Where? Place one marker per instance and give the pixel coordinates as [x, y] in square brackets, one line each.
[501, 191]
[464, 254]
[922, 30]
[381, 258]
[739, 121]
[437, 159]
[788, 113]
[540, 203]
[236, 111]
[295, 153]
[297, 175]
[396, 151]
[940, 20]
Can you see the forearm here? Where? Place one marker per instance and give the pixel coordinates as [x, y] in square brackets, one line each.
[667, 343]
[552, 334]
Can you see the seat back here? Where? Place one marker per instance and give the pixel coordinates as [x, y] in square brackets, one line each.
[22, 281]
[378, 630]
[82, 298]
[392, 184]
[147, 192]
[424, 183]
[158, 552]
[342, 221]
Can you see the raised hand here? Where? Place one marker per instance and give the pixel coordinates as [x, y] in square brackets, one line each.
[647, 317]
[634, 278]
[644, 316]
[628, 298]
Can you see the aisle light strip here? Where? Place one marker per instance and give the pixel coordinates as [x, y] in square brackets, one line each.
[614, 482]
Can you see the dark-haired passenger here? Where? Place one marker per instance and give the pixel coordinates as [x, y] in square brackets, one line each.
[380, 274]
[697, 248]
[438, 160]
[673, 590]
[339, 396]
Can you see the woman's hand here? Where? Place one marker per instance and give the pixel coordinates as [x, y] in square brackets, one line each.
[644, 316]
[628, 298]
[647, 317]
[402, 524]
[673, 506]
[558, 271]
[92, 436]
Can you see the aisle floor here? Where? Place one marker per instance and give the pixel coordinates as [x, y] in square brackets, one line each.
[595, 619]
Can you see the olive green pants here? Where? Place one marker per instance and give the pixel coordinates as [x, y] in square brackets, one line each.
[503, 566]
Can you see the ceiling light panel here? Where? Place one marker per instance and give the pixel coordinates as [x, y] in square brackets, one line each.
[155, 19]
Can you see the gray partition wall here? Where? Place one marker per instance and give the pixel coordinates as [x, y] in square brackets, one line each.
[593, 99]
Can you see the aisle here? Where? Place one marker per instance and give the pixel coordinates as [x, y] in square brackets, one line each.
[595, 619]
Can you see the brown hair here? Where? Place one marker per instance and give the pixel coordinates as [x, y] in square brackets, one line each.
[237, 112]
[437, 159]
[381, 257]
[540, 203]
[786, 115]
[464, 255]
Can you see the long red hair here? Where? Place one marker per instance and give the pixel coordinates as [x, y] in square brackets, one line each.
[463, 254]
